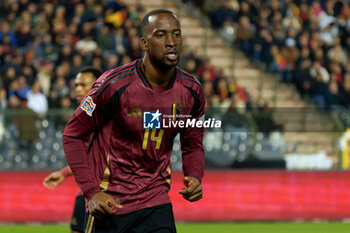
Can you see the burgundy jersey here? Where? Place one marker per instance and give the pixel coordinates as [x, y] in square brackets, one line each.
[134, 125]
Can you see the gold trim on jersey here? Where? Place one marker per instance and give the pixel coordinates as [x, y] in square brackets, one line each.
[89, 224]
[168, 169]
[105, 181]
[168, 181]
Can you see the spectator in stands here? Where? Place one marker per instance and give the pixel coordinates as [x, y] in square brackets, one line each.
[37, 100]
[86, 45]
[336, 53]
[276, 61]
[317, 69]
[222, 89]
[317, 90]
[262, 44]
[120, 41]
[66, 111]
[104, 38]
[5, 31]
[50, 48]
[245, 34]
[291, 21]
[23, 29]
[10, 76]
[302, 78]
[191, 66]
[336, 71]
[332, 96]
[233, 116]
[29, 72]
[44, 77]
[77, 63]
[207, 71]
[315, 31]
[24, 119]
[53, 99]
[61, 87]
[23, 87]
[112, 61]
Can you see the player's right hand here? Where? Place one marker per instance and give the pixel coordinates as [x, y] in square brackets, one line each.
[53, 180]
[102, 204]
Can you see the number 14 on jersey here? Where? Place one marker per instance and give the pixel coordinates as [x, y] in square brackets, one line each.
[154, 137]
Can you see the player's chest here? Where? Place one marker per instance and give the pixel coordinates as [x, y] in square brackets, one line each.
[143, 109]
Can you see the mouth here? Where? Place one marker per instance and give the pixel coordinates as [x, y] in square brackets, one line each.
[79, 98]
[171, 55]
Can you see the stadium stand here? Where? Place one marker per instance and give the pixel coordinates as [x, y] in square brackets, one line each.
[48, 42]
[260, 28]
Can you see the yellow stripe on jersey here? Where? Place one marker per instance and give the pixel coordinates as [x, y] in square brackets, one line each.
[90, 224]
[168, 169]
[105, 181]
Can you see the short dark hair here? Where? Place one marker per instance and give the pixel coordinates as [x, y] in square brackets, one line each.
[145, 20]
[91, 69]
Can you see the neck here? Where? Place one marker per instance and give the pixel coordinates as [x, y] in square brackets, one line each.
[155, 75]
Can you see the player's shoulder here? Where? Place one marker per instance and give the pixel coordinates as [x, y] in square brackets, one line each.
[187, 80]
[119, 71]
[116, 77]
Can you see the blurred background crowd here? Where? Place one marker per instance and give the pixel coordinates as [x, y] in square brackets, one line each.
[307, 41]
[43, 44]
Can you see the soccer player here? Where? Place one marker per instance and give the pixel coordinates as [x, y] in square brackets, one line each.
[126, 176]
[83, 83]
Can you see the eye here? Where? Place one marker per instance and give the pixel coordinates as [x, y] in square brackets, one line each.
[160, 35]
[177, 34]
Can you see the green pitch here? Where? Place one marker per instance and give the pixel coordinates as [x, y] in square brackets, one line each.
[247, 227]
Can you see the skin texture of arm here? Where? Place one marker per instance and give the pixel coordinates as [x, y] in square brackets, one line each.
[56, 178]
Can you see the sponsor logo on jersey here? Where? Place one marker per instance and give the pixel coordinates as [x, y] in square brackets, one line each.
[151, 120]
[136, 112]
[88, 106]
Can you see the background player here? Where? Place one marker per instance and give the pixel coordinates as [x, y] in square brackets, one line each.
[131, 161]
[83, 83]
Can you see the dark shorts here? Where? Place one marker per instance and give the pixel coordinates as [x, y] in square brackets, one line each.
[158, 219]
[79, 212]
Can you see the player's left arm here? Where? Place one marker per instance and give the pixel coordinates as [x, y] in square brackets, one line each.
[192, 150]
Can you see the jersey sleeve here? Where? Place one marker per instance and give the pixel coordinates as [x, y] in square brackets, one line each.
[88, 118]
[192, 139]
[93, 110]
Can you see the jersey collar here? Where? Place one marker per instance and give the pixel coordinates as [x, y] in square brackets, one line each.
[145, 81]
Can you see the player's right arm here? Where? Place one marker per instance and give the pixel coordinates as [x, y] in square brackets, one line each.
[87, 119]
[92, 114]
[100, 204]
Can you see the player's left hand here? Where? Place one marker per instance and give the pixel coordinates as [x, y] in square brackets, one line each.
[193, 190]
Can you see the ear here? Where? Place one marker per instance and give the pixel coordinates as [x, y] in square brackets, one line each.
[144, 44]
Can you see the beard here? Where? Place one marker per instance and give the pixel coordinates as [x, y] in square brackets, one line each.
[162, 63]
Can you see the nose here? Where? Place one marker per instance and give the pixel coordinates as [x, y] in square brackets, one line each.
[78, 89]
[170, 40]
